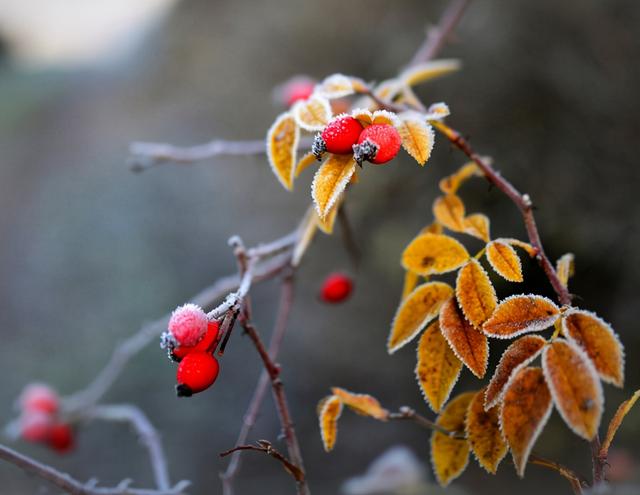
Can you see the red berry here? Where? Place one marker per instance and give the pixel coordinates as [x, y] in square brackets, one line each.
[196, 372]
[188, 324]
[36, 426]
[295, 89]
[61, 438]
[336, 288]
[378, 144]
[207, 343]
[339, 136]
[39, 397]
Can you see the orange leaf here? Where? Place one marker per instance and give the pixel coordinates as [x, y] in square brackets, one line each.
[282, 144]
[525, 410]
[434, 253]
[521, 314]
[417, 136]
[438, 367]
[449, 211]
[450, 456]
[410, 282]
[432, 228]
[616, 421]
[363, 404]
[531, 251]
[600, 342]
[518, 355]
[574, 384]
[326, 224]
[476, 295]
[305, 162]
[468, 343]
[418, 309]
[484, 435]
[565, 268]
[330, 180]
[329, 410]
[312, 114]
[451, 184]
[504, 260]
[477, 225]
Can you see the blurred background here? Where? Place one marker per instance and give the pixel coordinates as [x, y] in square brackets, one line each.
[90, 251]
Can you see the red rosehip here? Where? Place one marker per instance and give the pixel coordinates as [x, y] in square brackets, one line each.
[39, 397]
[207, 343]
[36, 426]
[378, 144]
[338, 136]
[61, 438]
[188, 324]
[196, 372]
[336, 288]
[295, 89]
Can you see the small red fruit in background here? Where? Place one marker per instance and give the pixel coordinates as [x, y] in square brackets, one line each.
[336, 288]
[295, 89]
[188, 324]
[338, 136]
[36, 426]
[196, 372]
[61, 438]
[378, 143]
[39, 397]
[207, 343]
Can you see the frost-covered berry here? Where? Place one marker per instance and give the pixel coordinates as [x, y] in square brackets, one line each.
[196, 372]
[336, 288]
[36, 426]
[207, 343]
[39, 397]
[338, 136]
[377, 144]
[61, 438]
[295, 89]
[188, 324]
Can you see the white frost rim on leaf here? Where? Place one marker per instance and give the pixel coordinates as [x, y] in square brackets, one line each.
[534, 325]
[323, 411]
[296, 140]
[337, 190]
[490, 258]
[484, 273]
[299, 105]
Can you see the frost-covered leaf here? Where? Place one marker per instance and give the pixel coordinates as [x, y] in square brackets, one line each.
[385, 117]
[418, 309]
[467, 342]
[449, 211]
[432, 228]
[504, 260]
[565, 268]
[484, 435]
[437, 111]
[449, 456]
[438, 367]
[600, 342]
[327, 223]
[305, 162]
[417, 136]
[521, 314]
[336, 86]
[574, 385]
[616, 421]
[387, 89]
[525, 410]
[312, 114]
[518, 355]
[329, 410]
[477, 225]
[475, 293]
[306, 232]
[363, 404]
[330, 180]
[363, 115]
[426, 71]
[410, 282]
[434, 253]
[451, 184]
[282, 144]
[531, 251]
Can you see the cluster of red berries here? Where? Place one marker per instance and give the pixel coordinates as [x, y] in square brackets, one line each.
[191, 341]
[40, 418]
[376, 143]
[336, 288]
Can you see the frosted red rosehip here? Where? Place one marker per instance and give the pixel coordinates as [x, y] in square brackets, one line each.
[196, 372]
[188, 324]
[207, 342]
[378, 143]
[296, 89]
[39, 397]
[36, 426]
[61, 438]
[336, 288]
[338, 136]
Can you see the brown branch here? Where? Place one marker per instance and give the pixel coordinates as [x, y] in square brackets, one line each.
[267, 448]
[577, 483]
[406, 413]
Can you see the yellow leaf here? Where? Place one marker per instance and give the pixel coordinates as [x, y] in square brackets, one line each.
[434, 253]
[565, 268]
[336, 86]
[616, 421]
[451, 184]
[525, 410]
[312, 114]
[362, 115]
[330, 180]
[306, 232]
[363, 404]
[575, 387]
[504, 260]
[305, 162]
[385, 117]
[327, 223]
[418, 309]
[330, 409]
[521, 314]
[438, 367]
[410, 282]
[531, 251]
[475, 293]
[282, 144]
[417, 136]
[450, 456]
[484, 435]
[600, 342]
[477, 225]
[388, 89]
[449, 211]
[469, 344]
[426, 71]
[437, 111]
[432, 228]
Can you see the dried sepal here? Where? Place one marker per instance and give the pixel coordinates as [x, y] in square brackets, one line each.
[329, 410]
[438, 367]
[330, 181]
[520, 314]
[417, 136]
[410, 282]
[306, 232]
[305, 162]
[282, 144]
[526, 407]
[449, 455]
[599, 341]
[451, 183]
[565, 267]
[418, 309]
[312, 114]
[468, 343]
[616, 421]
[437, 111]
[504, 260]
[336, 86]
[483, 432]
[449, 211]
[363, 404]
[426, 71]
[575, 387]
[478, 225]
[518, 355]
[475, 293]
[434, 253]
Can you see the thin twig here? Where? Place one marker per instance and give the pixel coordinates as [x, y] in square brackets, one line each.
[407, 413]
[269, 449]
[577, 483]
